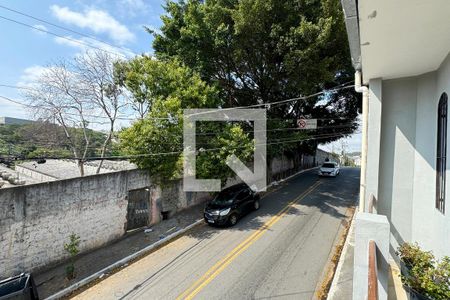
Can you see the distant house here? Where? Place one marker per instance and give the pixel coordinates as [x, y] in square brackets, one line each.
[14, 121]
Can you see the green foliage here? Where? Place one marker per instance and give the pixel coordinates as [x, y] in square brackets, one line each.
[227, 53]
[169, 88]
[229, 139]
[44, 139]
[425, 275]
[72, 247]
[43, 152]
[265, 51]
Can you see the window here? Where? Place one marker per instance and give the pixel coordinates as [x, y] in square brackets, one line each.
[242, 195]
[441, 153]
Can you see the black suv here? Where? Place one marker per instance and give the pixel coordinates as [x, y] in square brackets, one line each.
[230, 204]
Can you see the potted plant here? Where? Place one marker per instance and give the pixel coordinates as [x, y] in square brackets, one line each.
[423, 277]
[411, 255]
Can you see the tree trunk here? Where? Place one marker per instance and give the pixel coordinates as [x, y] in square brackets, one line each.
[105, 144]
[81, 167]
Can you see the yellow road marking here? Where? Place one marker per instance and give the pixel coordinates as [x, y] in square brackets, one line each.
[217, 268]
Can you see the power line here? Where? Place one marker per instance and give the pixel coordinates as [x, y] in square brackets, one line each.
[201, 133]
[32, 89]
[62, 36]
[218, 149]
[42, 142]
[64, 28]
[267, 105]
[203, 150]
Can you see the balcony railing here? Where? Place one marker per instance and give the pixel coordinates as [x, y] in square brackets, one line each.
[372, 293]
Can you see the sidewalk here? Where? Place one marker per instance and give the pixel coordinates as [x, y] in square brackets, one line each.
[342, 286]
[53, 280]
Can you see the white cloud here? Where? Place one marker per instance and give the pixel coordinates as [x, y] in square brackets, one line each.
[39, 29]
[10, 109]
[132, 7]
[30, 75]
[83, 45]
[96, 20]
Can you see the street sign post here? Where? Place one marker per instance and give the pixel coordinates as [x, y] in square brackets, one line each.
[307, 123]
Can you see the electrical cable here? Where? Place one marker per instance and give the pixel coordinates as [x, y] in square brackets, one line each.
[64, 28]
[63, 37]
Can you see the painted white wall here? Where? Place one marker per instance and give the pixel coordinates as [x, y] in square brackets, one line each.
[407, 159]
[373, 139]
[431, 228]
[397, 157]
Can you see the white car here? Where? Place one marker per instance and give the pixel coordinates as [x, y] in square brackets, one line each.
[330, 169]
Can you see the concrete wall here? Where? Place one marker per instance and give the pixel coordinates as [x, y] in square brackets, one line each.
[431, 228]
[321, 156]
[36, 220]
[397, 157]
[34, 174]
[407, 158]
[373, 139]
[370, 227]
[282, 167]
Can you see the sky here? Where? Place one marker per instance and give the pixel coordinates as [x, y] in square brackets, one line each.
[25, 50]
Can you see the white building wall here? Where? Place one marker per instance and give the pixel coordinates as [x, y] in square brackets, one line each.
[397, 157]
[431, 228]
[425, 177]
[373, 139]
[407, 174]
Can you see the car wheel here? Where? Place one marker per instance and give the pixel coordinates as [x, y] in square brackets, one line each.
[256, 205]
[232, 220]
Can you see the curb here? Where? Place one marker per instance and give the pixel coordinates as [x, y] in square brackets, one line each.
[121, 262]
[337, 273]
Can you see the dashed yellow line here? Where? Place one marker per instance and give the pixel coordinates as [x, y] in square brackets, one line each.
[217, 268]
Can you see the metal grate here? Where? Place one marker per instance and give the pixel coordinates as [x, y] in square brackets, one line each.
[441, 153]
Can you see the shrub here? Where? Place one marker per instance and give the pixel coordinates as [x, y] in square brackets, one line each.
[73, 250]
[425, 275]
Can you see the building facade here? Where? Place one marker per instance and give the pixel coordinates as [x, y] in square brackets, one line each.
[14, 121]
[401, 49]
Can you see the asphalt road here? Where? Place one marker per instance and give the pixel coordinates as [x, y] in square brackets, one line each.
[281, 251]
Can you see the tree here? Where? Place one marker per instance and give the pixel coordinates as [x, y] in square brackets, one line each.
[57, 95]
[95, 71]
[262, 51]
[156, 141]
[76, 93]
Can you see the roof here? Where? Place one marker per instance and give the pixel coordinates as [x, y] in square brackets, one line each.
[394, 39]
[10, 178]
[352, 25]
[64, 168]
[235, 188]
